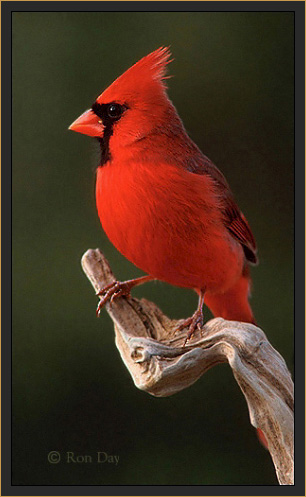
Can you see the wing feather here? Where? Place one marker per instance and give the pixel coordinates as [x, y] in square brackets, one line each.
[234, 219]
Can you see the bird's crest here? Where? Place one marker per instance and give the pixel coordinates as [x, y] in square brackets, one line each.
[150, 69]
[154, 64]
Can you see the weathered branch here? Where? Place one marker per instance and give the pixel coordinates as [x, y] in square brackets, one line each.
[161, 366]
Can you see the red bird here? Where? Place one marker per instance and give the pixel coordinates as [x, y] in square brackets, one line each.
[163, 204]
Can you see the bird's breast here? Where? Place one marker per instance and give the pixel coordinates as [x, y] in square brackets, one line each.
[165, 220]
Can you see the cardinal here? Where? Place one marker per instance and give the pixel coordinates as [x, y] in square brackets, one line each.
[162, 203]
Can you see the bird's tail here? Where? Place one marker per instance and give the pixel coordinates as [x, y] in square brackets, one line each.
[233, 304]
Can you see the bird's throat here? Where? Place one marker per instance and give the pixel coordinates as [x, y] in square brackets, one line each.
[105, 154]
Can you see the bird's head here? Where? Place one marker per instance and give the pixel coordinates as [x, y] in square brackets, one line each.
[131, 108]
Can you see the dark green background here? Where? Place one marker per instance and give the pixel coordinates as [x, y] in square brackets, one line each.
[233, 88]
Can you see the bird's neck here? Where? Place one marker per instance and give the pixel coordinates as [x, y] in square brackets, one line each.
[164, 143]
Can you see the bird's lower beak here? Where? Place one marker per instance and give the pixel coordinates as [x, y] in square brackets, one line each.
[88, 124]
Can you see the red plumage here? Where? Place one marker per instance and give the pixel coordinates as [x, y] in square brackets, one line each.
[163, 204]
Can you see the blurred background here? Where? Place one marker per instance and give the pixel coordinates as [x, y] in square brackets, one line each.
[233, 88]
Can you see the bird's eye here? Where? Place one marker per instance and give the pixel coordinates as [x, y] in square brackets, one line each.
[114, 111]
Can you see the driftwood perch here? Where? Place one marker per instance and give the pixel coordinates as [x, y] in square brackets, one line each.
[161, 366]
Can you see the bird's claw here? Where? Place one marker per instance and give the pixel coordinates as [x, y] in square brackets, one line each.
[195, 322]
[111, 292]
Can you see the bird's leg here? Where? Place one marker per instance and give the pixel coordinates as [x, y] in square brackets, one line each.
[195, 321]
[118, 289]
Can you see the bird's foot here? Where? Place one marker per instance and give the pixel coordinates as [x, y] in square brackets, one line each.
[195, 322]
[113, 291]
[119, 289]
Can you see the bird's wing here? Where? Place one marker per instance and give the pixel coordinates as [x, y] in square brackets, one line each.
[234, 219]
[238, 226]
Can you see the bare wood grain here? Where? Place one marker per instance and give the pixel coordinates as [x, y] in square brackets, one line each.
[161, 366]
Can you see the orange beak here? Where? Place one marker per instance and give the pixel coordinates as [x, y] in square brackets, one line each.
[88, 124]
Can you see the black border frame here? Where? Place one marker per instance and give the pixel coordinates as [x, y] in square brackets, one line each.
[298, 7]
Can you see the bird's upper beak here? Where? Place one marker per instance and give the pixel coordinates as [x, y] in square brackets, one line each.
[88, 124]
